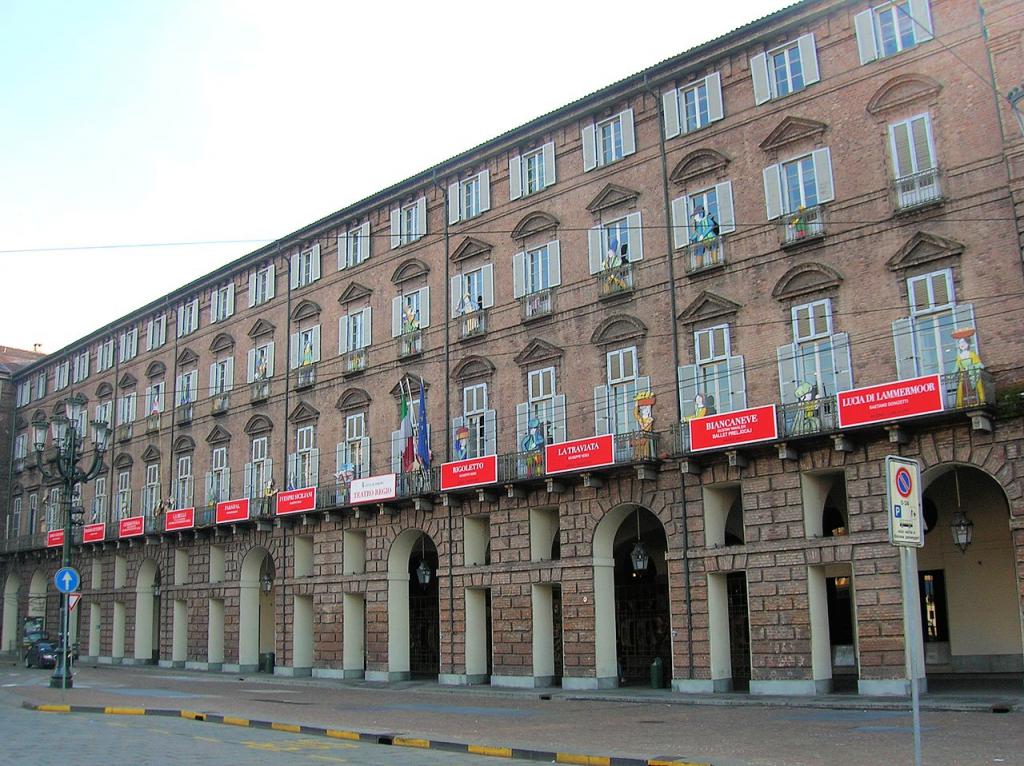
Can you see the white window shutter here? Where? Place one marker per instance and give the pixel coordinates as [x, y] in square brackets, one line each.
[488, 285]
[628, 133]
[364, 462]
[270, 359]
[737, 383]
[485, 190]
[457, 422]
[864, 23]
[808, 58]
[786, 359]
[315, 257]
[367, 327]
[131, 407]
[680, 222]
[213, 378]
[841, 362]
[343, 334]
[396, 451]
[455, 294]
[396, 316]
[293, 470]
[149, 399]
[229, 373]
[518, 275]
[193, 382]
[135, 341]
[548, 152]
[340, 456]
[670, 105]
[515, 177]
[180, 325]
[726, 217]
[247, 488]
[557, 434]
[229, 310]
[250, 366]
[773, 191]
[716, 110]
[823, 174]
[920, 12]
[425, 306]
[396, 228]
[759, 74]
[522, 423]
[636, 237]
[594, 249]
[903, 341]
[554, 263]
[295, 272]
[421, 217]
[686, 380]
[214, 311]
[454, 209]
[342, 251]
[589, 147]
[268, 470]
[316, 343]
[270, 282]
[295, 352]
[490, 433]
[601, 424]
[365, 241]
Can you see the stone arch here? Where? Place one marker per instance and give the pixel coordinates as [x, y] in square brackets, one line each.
[9, 628]
[404, 546]
[259, 424]
[37, 595]
[154, 370]
[617, 329]
[222, 342]
[256, 608]
[412, 268]
[305, 309]
[804, 279]
[902, 90]
[472, 368]
[147, 613]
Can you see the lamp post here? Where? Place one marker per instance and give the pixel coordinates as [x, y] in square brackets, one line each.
[1016, 99]
[68, 439]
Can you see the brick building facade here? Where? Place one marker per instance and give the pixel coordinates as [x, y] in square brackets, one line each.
[824, 200]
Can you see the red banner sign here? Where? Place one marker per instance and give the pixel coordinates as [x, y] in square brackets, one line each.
[373, 489]
[55, 538]
[233, 510]
[296, 501]
[133, 526]
[732, 429]
[890, 401]
[469, 473]
[579, 455]
[183, 518]
[94, 533]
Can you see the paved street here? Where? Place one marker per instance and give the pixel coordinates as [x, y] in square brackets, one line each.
[724, 735]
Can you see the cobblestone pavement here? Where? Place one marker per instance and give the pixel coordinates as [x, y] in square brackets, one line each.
[768, 733]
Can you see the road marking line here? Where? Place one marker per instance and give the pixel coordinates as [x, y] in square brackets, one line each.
[124, 710]
[500, 752]
[411, 742]
[236, 721]
[340, 734]
[193, 716]
[582, 760]
[54, 708]
[294, 728]
[207, 739]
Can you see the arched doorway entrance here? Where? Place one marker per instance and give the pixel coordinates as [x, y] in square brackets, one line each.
[414, 635]
[9, 637]
[970, 608]
[631, 597]
[37, 600]
[257, 618]
[147, 613]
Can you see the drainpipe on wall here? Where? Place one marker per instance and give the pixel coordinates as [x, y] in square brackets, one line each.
[447, 420]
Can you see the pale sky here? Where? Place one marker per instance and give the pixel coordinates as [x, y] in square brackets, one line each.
[194, 121]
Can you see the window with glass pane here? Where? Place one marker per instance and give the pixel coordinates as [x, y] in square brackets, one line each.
[786, 70]
[151, 492]
[895, 28]
[305, 443]
[14, 522]
[534, 164]
[615, 236]
[183, 484]
[621, 372]
[124, 494]
[712, 356]
[410, 224]
[262, 285]
[541, 395]
[694, 103]
[474, 402]
[801, 189]
[356, 329]
[931, 308]
[220, 376]
[812, 320]
[912, 151]
[355, 430]
[538, 270]
[411, 307]
[354, 248]
[99, 499]
[609, 136]
[470, 194]
[260, 475]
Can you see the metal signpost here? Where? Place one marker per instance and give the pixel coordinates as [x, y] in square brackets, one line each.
[906, 531]
[67, 581]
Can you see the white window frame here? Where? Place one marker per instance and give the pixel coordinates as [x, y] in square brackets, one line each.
[762, 70]
[24, 394]
[220, 475]
[99, 500]
[305, 266]
[675, 104]
[408, 223]
[616, 133]
[105, 355]
[266, 351]
[222, 302]
[474, 409]
[868, 25]
[222, 376]
[354, 246]
[184, 490]
[469, 197]
[186, 388]
[151, 489]
[188, 318]
[156, 332]
[532, 171]
[128, 345]
[813, 314]
[621, 387]
[81, 366]
[40, 386]
[929, 279]
[355, 330]
[601, 258]
[356, 445]
[913, 159]
[62, 375]
[124, 494]
[261, 284]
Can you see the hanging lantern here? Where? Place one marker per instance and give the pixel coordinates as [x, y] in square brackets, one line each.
[639, 557]
[423, 572]
[961, 527]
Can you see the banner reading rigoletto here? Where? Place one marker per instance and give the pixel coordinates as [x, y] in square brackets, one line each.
[732, 429]
[890, 401]
[471, 472]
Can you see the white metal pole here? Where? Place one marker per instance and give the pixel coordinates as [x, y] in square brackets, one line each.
[913, 647]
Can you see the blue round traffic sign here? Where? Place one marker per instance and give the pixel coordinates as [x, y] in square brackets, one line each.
[904, 484]
[67, 580]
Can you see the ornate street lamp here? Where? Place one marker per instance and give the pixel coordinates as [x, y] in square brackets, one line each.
[423, 572]
[639, 555]
[961, 527]
[1016, 99]
[68, 441]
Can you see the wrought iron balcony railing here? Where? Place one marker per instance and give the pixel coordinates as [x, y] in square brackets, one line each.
[917, 190]
[704, 255]
[183, 414]
[473, 324]
[410, 343]
[354, 361]
[801, 226]
[540, 303]
[220, 404]
[615, 281]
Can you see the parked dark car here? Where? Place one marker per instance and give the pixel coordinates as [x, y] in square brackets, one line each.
[42, 654]
[30, 637]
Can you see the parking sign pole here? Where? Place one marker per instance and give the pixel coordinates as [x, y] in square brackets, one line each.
[913, 644]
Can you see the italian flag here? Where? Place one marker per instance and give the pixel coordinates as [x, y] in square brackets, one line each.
[405, 435]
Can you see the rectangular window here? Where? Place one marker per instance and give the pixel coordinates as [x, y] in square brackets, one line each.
[222, 302]
[220, 477]
[99, 500]
[469, 198]
[621, 368]
[532, 171]
[33, 513]
[408, 223]
[155, 398]
[306, 458]
[261, 363]
[183, 483]
[799, 186]
[62, 375]
[40, 386]
[812, 321]
[474, 407]
[715, 382]
[354, 246]
[472, 291]
[104, 412]
[14, 523]
[354, 331]
[693, 106]
[221, 376]
[541, 398]
[186, 388]
[105, 355]
[925, 341]
[151, 491]
[188, 317]
[129, 345]
[305, 266]
[930, 293]
[21, 446]
[912, 147]
[81, 367]
[784, 70]
[54, 512]
[538, 269]
[815, 365]
[124, 494]
[259, 470]
[356, 447]
[156, 332]
[261, 285]
[126, 409]
[609, 140]
[890, 28]
[24, 394]
[410, 312]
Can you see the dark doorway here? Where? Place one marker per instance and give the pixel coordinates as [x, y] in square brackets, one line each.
[424, 617]
[839, 597]
[556, 627]
[739, 630]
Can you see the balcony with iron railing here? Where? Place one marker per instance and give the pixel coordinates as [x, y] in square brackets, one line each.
[304, 376]
[354, 362]
[153, 423]
[220, 403]
[473, 324]
[917, 190]
[804, 225]
[704, 255]
[183, 414]
[18, 464]
[616, 281]
[259, 391]
[123, 432]
[521, 466]
[410, 343]
[538, 304]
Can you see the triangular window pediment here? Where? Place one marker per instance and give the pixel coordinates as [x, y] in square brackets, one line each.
[260, 328]
[708, 305]
[534, 223]
[20, 422]
[612, 195]
[151, 454]
[409, 383]
[127, 381]
[696, 164]
[304, 411]
[187, 356]
[259, 424]
[155, 370]
[617, 329]
[354, 292]
[792, 129]
[924, 248]
[537, 351]
[306, 309]
[353, 399]
[804, 279]
[903, 90]
[218, 435]
[221, 343]
[408, 270]
[470, 248]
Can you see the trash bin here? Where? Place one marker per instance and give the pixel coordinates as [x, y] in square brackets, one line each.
[657, 673]
[266, 664]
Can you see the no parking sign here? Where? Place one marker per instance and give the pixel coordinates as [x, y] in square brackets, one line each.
[903, 496]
